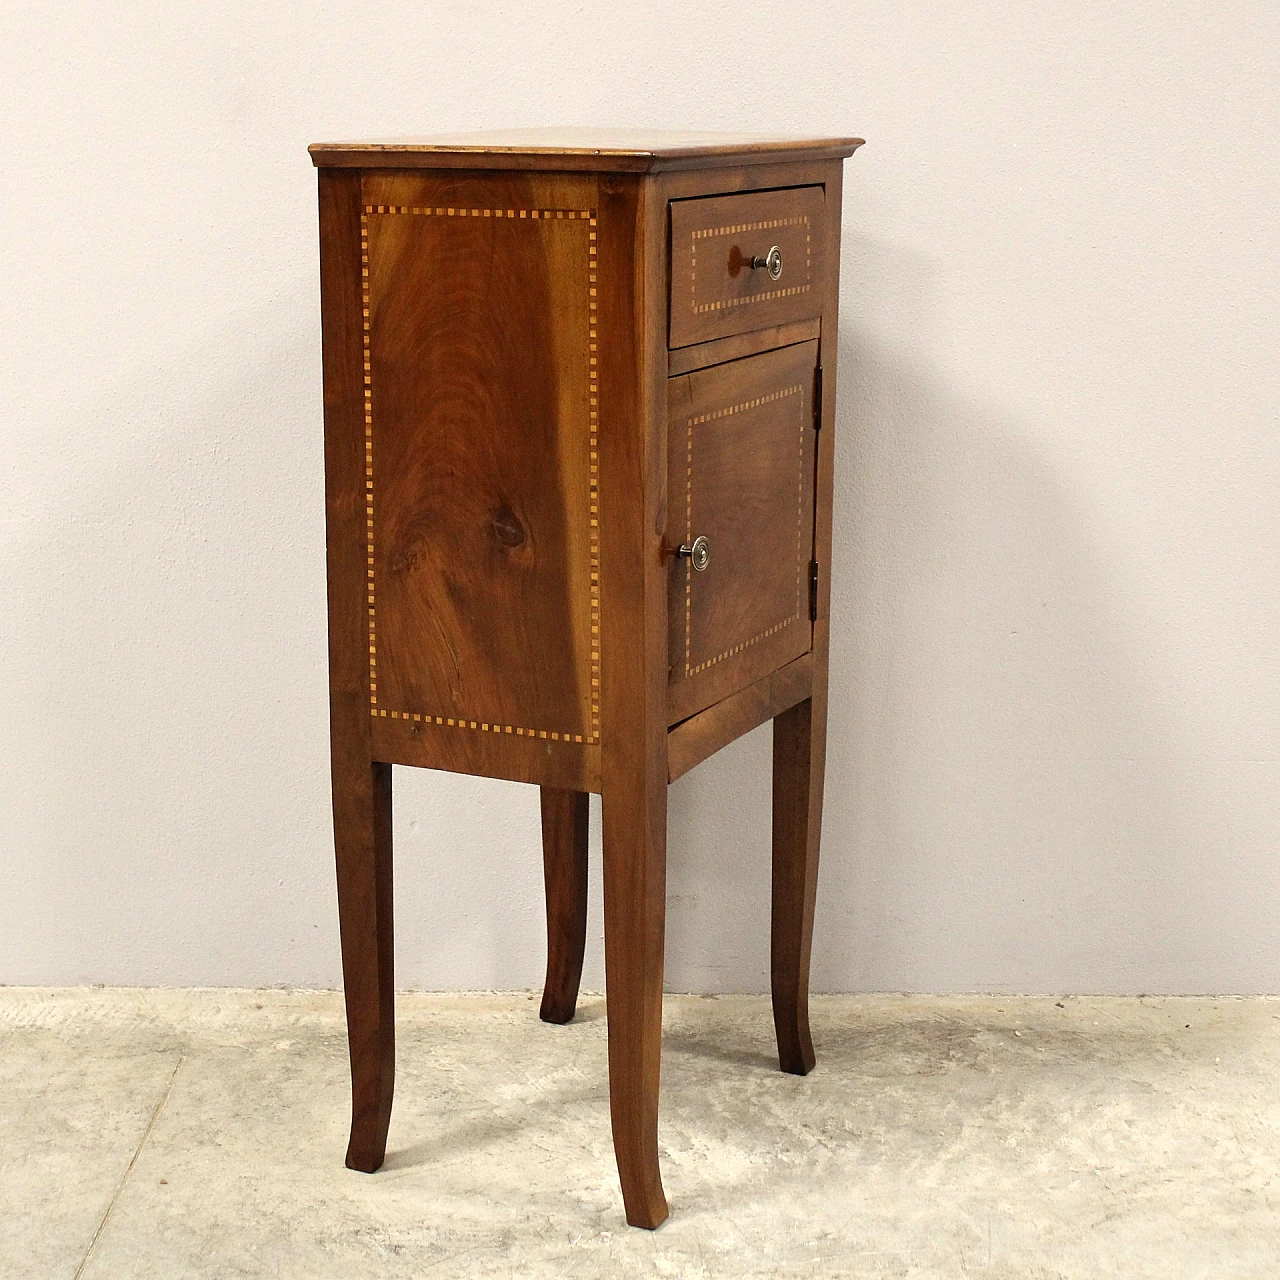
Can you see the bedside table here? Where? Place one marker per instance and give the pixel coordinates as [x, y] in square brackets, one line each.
[579, 403]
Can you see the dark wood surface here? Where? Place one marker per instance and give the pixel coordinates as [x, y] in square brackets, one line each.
[633, 645]
[741, 471]
[738, 345]
[564, 867]
[605, 150]
[504, 496]
[692, 741]
[796, 822]
[484, 547]
[361, 787]
[764, 173]
[714, 289]
[489, 755]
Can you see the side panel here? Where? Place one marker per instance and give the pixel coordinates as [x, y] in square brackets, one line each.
[480, 420]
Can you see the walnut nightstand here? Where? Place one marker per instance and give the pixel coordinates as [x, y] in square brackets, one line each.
[579, 404]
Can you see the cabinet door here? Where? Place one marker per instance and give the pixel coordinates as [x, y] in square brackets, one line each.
[741, 457]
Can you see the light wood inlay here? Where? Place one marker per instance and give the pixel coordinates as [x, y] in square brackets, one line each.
[719, 304]
[695, 420]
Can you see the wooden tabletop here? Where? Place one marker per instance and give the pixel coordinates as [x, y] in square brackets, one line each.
[615, 150]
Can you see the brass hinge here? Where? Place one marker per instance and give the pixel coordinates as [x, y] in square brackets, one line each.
[813, 591]
[817, 399]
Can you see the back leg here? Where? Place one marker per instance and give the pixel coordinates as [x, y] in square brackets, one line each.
[564, 866]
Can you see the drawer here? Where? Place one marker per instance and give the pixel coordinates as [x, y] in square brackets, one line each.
[715, 291]
[741, 472]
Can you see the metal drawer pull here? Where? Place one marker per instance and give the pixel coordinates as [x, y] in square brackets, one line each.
[772, 262]
[698, 553]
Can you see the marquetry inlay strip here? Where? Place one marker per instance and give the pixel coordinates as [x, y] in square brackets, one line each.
[367, 358]
[746, 644]
[745, 405]
[769, 224]
[593, 475]
[689, 668]
[593, 486]
[441, 211]
[800, 553]
[688, 538]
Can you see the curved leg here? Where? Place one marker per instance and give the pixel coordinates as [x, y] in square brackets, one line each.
[635, 854]
[635, 569]
[361, 787]
[564, 868]
[362, 836]
[799, 752]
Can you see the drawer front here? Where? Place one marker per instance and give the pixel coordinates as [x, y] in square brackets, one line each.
[715, 291]
[741, 459]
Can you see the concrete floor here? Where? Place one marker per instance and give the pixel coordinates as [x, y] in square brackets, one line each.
[172, 1134]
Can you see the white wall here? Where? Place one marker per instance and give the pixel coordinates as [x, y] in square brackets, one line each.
[1055, 697]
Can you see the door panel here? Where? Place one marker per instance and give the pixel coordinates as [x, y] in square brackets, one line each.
[741, 475]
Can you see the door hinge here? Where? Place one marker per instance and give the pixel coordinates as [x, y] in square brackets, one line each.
[813, 591]
[817, 399]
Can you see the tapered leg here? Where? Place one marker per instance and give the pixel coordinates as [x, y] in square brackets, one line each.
[635, 567]
[799, 750]
[362, 836]
[361, 789]
[635, 838]
[564, 867]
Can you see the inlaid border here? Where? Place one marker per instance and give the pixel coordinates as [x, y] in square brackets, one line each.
[736, 228]
[773, 396]
[593, 484]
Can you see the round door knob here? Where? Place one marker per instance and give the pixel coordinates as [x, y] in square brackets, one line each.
[771, 262]
[697, 552]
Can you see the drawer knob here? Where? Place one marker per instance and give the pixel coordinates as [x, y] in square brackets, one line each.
[771, 262]
[698, 552]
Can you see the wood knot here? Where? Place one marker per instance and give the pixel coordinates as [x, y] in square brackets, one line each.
[506, 529]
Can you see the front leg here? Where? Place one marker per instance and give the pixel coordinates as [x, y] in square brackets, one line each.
[361, 786]
[635, 858]
[362, 838]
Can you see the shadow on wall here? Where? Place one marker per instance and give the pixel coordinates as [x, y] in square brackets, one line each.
[1012, 802]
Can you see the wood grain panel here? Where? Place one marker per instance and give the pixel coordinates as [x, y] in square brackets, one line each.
[739, 345]
[480, 341]
[714, 289]
[487, 755]
[740, 473]
[691, 741]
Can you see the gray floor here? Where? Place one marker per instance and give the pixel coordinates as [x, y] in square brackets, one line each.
[172, 1134]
